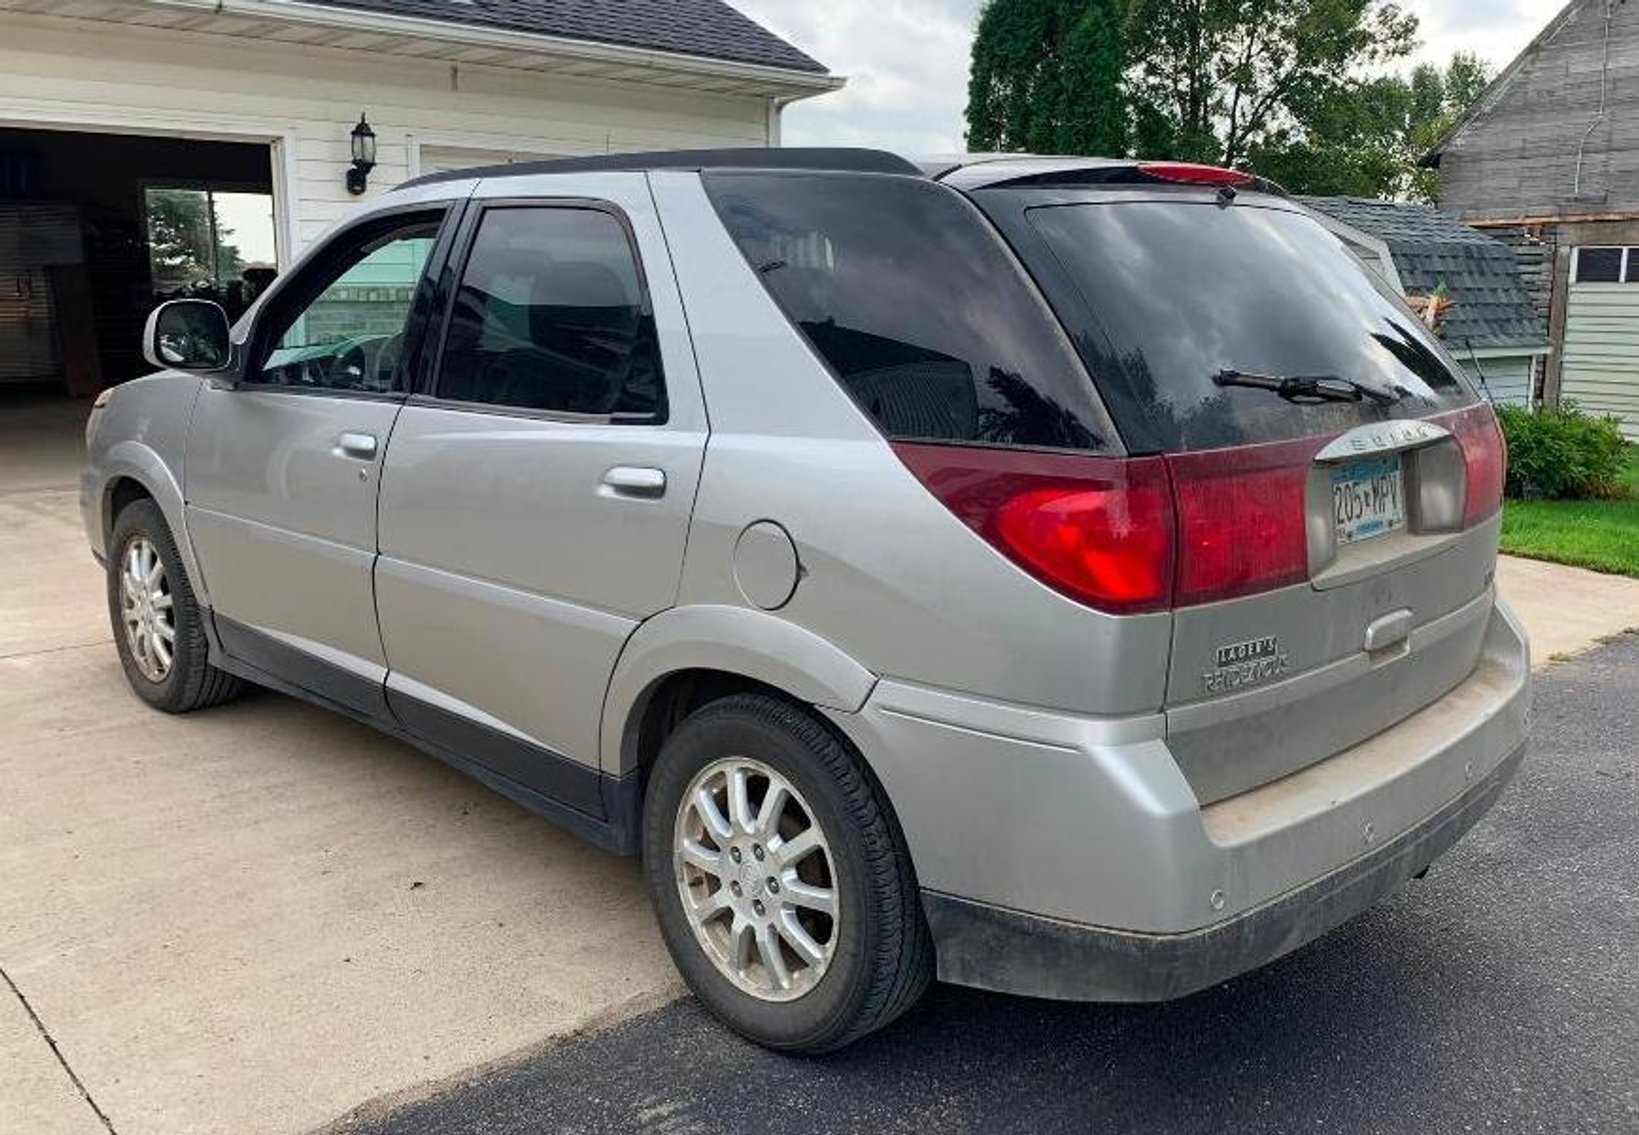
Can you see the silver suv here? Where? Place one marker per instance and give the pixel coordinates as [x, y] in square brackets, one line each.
[1059, 576]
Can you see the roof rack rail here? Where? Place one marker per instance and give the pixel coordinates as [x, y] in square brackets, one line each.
[826, 159]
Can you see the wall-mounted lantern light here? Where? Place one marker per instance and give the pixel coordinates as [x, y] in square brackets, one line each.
[364, 157]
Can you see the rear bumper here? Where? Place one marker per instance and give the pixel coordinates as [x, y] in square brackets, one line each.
[1070, 857]
[1004, 950]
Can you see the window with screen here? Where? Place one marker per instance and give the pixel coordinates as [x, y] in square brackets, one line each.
[551, 315]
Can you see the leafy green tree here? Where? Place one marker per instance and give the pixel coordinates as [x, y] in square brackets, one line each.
[1445, 97]
[1048, 77]
[1216, 80]
[1295, 89]
[1364, 138]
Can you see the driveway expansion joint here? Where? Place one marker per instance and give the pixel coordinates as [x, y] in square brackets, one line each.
[51, 1043]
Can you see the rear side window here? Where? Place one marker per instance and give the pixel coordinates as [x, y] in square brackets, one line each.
[916, 305]
[1182, 291]
[551, 315]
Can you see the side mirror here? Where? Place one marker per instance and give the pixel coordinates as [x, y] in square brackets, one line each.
[187, 335]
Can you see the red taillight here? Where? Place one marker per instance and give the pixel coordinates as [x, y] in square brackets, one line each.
[1095, 528]
[1485, 459]
[1193, 173]
[1242, 519]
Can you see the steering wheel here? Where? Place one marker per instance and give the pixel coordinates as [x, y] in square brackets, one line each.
[351, 366]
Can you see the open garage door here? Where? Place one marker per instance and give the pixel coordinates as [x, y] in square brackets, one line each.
[1600, 363]
[96, 228]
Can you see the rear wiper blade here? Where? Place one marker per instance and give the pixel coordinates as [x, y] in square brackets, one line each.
[1310, 387]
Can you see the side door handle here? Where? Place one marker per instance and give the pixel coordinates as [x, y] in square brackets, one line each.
[634, 481]
[361, 446]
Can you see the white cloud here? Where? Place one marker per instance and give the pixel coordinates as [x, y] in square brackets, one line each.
[907, 60]
[1495, 30]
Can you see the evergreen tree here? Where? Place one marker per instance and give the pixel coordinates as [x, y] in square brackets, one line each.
[1048, 76]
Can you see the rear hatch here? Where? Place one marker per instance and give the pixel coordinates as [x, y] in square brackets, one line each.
[1335, 480]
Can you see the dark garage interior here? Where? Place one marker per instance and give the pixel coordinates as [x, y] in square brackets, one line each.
[97, 228]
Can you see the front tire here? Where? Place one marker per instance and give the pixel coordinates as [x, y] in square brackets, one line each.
[780, 878]
[159, 629]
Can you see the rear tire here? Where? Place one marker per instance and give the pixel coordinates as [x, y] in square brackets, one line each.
[845, 974]
[159, 630]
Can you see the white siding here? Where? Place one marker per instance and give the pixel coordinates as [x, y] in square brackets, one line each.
[304, 100]
[440, 159]
[1507, 377]
[1601, 354]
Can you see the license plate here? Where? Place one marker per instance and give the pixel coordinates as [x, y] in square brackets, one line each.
[1368, 499]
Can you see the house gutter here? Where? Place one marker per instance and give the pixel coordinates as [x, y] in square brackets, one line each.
[794, 83]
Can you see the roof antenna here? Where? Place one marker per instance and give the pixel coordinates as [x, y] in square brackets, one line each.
[1473, 357]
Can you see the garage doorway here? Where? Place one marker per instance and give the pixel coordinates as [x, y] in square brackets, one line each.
[95, 228]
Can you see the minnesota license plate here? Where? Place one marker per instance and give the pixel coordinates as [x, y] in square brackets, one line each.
[1368, 499]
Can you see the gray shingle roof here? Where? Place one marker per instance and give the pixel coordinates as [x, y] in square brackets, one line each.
[1490, 307]
[708, 28]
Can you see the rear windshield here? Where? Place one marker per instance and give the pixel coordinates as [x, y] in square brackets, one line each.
[1182, 291]
[916, 305]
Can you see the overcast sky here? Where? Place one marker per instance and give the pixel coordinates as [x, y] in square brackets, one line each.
[906, 60]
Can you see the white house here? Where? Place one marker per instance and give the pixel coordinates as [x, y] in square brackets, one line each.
[127, 124]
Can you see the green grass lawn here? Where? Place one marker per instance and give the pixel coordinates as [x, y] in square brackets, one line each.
[1602, 535]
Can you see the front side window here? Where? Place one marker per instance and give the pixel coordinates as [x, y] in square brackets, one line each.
[350, 334]
[918, 308]
[552, 316]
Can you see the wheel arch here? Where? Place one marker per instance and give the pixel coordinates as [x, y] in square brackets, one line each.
[683, 658]
[132, 471]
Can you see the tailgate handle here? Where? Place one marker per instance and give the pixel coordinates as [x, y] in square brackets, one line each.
[1390, 630]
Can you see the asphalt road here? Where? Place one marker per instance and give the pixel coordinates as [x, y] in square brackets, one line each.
[1501, 993]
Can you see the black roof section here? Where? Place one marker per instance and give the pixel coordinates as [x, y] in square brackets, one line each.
[817, 159]
[705, 28]
[1490, 307]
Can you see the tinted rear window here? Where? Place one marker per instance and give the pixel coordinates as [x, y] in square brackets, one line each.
[1184, 290]
[905, 291]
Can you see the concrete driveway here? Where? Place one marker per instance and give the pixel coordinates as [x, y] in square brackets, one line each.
[258, 918]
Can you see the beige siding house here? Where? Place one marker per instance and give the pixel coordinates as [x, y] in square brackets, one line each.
[112, 112]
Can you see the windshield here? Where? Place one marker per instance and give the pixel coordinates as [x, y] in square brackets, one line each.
[1184, 291]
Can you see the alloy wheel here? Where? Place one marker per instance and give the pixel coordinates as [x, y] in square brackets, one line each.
[147, 609]
[757, 879]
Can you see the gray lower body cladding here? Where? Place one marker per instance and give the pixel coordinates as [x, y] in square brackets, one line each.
[988, 947]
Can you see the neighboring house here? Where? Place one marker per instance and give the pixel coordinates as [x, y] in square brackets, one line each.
[1490, 325]
[1548, 159]
[134, 132]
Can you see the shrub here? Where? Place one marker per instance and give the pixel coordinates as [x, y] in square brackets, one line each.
[1563, 453]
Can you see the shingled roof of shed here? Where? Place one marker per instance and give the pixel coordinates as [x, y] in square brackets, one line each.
[1490, 307]
[704, 28]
